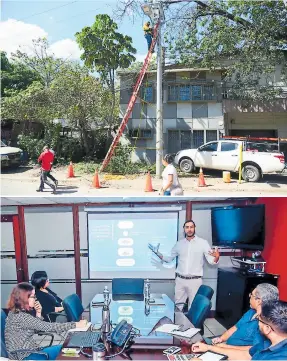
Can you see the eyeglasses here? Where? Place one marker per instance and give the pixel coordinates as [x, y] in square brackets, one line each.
[33, 297]
[265, 323]
[252, 295]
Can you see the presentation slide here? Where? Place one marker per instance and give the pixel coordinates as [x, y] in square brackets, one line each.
[118, 244]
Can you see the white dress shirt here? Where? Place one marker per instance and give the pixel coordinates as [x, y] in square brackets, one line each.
[190, 256]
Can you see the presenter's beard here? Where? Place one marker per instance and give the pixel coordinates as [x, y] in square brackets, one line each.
[189, 234]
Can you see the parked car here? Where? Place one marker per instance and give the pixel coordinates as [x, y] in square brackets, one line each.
[224, 155]
[10, 156]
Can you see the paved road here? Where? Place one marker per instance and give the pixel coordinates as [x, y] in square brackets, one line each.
[25, 182]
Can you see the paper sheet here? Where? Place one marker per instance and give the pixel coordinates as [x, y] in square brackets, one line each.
[82, 328]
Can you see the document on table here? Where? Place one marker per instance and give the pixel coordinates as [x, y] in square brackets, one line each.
[82, 328]
[175, 330]
[167, 328]
[188, 333]
[212, 356]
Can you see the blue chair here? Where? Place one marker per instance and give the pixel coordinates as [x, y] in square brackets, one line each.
[205, 291]
[199, 311]
[127, 286]
[40, 354]
[73, 308]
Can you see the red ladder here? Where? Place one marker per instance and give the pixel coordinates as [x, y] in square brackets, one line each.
[131, 101]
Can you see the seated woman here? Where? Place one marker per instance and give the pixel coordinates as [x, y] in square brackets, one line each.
[21, 325]
[48, 299]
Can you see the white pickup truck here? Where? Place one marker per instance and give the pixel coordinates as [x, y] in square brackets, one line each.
[10, 156]
[224, 155]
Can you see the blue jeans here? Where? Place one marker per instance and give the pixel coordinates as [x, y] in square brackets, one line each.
[166, 193]
[149, 40]
[52, 351]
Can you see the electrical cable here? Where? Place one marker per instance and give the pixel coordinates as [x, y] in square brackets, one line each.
[43, 12]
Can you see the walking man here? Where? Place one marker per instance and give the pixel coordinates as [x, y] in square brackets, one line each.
[46, 158]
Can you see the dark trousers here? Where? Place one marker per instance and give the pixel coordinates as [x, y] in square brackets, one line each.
[44, 180]
[149, 40]
[49, 175]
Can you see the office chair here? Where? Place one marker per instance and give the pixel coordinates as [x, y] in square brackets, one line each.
[73, 308]
[40, 354]
[127, 286]
[198, 311]
[205, 291]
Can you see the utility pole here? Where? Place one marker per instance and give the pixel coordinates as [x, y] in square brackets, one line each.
[159, 120]
[154, 9]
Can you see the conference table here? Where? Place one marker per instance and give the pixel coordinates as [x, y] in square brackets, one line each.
[151, 343]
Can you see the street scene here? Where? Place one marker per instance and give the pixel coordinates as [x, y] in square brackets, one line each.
[126, 99]
[27, 180]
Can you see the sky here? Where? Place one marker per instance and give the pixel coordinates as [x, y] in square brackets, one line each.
[58, 21]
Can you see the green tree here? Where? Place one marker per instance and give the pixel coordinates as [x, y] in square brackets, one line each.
[31, 104]
[42, 61]
[15, 76]
[80, 98]
[247, 38]
[105, 51]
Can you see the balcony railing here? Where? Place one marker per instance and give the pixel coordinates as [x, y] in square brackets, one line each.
[191, 92]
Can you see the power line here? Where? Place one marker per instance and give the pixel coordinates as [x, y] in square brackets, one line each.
[43, 12]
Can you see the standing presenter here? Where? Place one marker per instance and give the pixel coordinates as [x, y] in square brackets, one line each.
[190, 252]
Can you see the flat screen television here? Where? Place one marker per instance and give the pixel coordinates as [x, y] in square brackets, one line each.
[239, 227]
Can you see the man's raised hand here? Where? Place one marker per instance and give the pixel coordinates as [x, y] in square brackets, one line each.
[154, 249]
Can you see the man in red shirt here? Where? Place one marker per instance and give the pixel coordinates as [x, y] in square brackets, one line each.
[46, 158]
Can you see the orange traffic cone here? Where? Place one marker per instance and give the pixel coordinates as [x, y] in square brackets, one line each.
[71, 171]
[96, 182]
[148, 185]
[201, 180]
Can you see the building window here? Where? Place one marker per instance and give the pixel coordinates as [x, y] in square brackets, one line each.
[211, 135]
[172, 93]
[191, 92]
[196, 92]
[208, 92]
[184, 139]
[184, 92]
[141, 133]
[147, 93]
[198, 138]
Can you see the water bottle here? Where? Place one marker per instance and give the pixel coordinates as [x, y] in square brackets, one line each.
[147, 297]
[106, 294]
[147, 291]
[147, 308]
[106, 311]
[106, 319]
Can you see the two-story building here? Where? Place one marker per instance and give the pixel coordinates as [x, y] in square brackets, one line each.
[196, 109]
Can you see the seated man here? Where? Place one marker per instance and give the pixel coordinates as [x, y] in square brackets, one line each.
[273, 325]
[246, 331]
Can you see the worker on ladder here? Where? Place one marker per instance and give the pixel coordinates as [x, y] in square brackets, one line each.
[148, 34]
